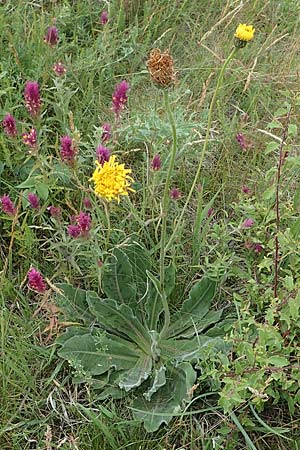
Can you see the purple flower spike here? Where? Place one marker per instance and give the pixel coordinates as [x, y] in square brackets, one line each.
[258, 248]
[119, 97]
[51, 37]
[104, 17]
[36, 281]
[84, 221]
[32, 98]
[9, 125]
[106, 135]
[55, 212]
[74, 231]
[7, 206]
[87, 203]
[67, 150]
[175, 194]
[156, 162]
[246, 190]
[33, 200]
[210, 212]
[30, 139]
[102, 154]
[248, 223]
[241, 140]
[59, 69]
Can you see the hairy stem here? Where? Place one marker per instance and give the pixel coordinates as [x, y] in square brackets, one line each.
[209, 121]
[277, 202]
[164, 211]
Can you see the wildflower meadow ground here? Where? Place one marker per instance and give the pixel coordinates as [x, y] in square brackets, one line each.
[149, 225]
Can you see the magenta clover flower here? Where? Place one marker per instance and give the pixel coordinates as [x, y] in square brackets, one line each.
[36, 281]
[9, 125]
[32, 98]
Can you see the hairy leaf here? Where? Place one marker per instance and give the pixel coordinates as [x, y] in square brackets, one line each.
[159, 380]
[153, 304]
[95, 355]
[73, 302]
[167, 400]
[114, 316]
[118, 281]
[194, 308]
[139, 373]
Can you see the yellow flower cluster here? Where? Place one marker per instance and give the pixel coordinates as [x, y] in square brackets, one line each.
[112, 180]
[244, 32]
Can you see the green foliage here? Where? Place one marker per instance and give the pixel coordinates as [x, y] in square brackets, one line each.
[120, 348]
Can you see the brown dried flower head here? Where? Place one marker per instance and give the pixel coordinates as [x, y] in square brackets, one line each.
[161, 67]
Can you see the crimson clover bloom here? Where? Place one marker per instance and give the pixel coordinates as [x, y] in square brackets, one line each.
[36, 281]
[104, 17]
[106, 135]
[175, 194]
[82, 225]
[119, 97]
[30, 139]
[32, 98]
[59, 69]
[102, 154]
[7, 205]
[67, 150]
[87, 203]
[55, 212]
[248, 223]
[210, 212]
[246, 190]
[9, 125]
[241, 140]
[257, 247]
[33, 200]
[74, 231]
[51, 37]
[156, 162]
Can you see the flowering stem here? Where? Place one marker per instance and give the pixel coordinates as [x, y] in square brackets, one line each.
[165, 204]
[277, 202]
[209, 120]
[106, 208]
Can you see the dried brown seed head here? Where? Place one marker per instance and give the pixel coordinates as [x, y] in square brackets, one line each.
[161, 67]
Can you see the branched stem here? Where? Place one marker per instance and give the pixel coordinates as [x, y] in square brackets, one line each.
[209, 120]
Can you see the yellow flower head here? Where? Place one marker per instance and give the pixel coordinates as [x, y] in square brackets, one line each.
[111, 180]
[244, 33]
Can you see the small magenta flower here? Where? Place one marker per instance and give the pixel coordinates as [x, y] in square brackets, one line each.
[84, 222]
[74, 231]
[257, 247]
[241, 140]
[156, 162]
[9, 125]
[119, 97]
[33, 200]
[51, 37]
[7, 205]
[104, 17]
[246, 190]
[87, 203]
[55, 212]
[102, 154]
[175, 194]
[36, 281]
[32, 98]
[30, 139]
[248, 223]
[59, 69]
[81, 225]
[106, 135]
[210, 212]
[67, 150]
